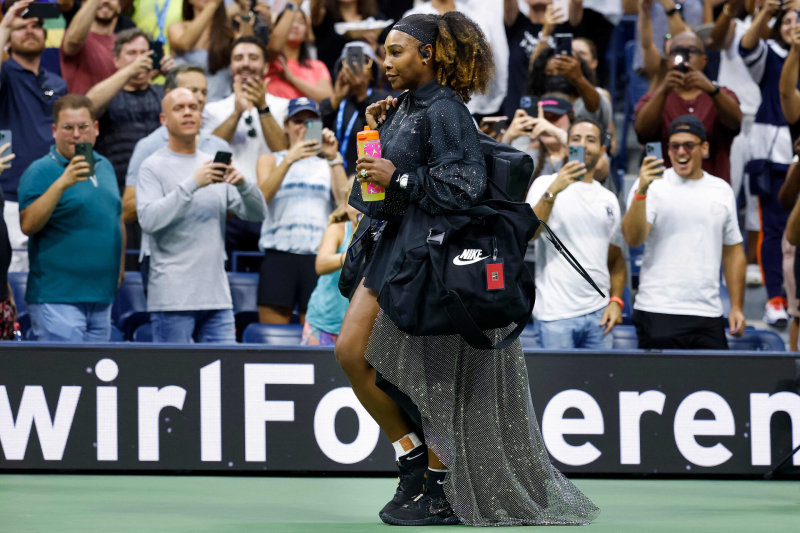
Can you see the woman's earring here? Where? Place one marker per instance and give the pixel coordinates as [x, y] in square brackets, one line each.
[424, 61]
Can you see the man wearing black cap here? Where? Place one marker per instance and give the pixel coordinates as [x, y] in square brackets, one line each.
[687, 219]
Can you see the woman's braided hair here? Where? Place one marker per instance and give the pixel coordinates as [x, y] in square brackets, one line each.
[462, 57]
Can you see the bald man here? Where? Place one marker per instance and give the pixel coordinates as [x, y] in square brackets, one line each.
[685, 90]
[185, 76]
[182, 198]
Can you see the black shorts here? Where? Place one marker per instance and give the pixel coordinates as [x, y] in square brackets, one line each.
[286, 280]
[680, 332]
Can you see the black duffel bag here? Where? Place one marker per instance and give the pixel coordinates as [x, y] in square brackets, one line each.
[462, 272]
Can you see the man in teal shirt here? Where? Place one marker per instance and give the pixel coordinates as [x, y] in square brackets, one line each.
[73, 220]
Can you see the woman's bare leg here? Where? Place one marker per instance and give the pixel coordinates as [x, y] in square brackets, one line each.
[350, 349]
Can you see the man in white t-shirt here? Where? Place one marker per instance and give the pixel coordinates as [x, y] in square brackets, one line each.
[569, 313]
[687, 220]
[250, 120]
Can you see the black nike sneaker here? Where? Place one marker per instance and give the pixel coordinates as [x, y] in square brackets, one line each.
[412, 474]
[423, 510]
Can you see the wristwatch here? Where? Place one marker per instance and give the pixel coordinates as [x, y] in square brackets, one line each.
[716, 90]
[549, 197]
[675, 9]
[402, 181]
[264, 110]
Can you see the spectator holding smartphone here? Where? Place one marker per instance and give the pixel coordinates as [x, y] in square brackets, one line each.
[27, 94]
[87, 51]
[297, 186]
[73, 216]
[569, 313]
[182, 200]
[687, 220]
[356, 88]
[292, 73]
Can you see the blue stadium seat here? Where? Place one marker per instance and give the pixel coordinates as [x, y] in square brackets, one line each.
[143, 333]
[130, 306]
[760, 340]
[276, 334]
[116, 334]
[244, 293]
[528, 338]
[625, 337]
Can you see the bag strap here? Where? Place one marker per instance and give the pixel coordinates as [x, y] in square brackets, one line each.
[559, 246]
[463, 321]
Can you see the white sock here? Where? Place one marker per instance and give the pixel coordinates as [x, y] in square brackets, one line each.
[406, 445]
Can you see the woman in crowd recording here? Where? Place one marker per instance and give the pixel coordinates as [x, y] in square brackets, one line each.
[192, 43]
[327, 306]
[355, 88]
[297, 186]
[326, 13]
[770, 143]
[292, 73]
[432, 158]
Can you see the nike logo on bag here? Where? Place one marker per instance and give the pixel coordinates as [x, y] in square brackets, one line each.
[468, 257]
[440, 482]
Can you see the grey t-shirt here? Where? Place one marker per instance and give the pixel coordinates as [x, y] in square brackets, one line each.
[186, 224]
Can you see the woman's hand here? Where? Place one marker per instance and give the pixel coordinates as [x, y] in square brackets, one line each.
[330, 145]
[301, 150]
[521, 124]
[379, 171]
[377, 112]
[4, 160]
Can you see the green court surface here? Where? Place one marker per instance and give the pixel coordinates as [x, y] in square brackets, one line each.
[120, 504]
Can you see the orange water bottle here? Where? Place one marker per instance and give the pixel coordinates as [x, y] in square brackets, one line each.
[368, 143]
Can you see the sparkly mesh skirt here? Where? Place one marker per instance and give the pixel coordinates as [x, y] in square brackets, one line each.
[478, 417]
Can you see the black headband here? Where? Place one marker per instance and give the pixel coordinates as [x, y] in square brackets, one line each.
[421, 27]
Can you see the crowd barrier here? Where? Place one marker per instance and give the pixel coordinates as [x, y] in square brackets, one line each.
[270, 409]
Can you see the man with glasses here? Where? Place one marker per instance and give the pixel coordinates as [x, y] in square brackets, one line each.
[27, 95]
[249, 119]
[71, 209]
[687, 219]
[686, 90]
[569, 313]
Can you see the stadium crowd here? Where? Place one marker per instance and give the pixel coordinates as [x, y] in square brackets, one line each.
[197, 131]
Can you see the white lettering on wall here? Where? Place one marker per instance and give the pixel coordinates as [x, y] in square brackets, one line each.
[762, 407]
[107, 371]
[632, 405]
[325, 428]
[555, 426]
[258, 410]
[151, 401]
[687, 427]
[53, 432]
[211, 412]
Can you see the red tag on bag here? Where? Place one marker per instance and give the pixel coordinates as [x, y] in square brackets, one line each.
[494, 275]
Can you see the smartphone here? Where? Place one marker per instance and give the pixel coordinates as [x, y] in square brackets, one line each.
[563, 44]
[529, 104]
[42, 10]
[314, 130]
[223, 157]
[654, 149]
[680, 60]
[563, 6]
[5, 137]
[355, 58]
[158, 53]
[577, 153]
[85, 149]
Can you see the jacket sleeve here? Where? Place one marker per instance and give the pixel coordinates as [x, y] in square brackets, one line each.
[157, 210]
[455, 176]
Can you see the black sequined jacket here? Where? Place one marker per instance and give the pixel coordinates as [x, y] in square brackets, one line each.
[432, 136]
